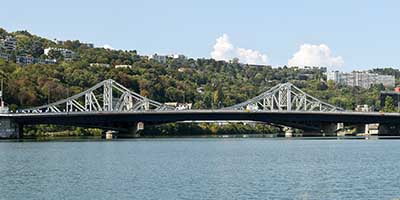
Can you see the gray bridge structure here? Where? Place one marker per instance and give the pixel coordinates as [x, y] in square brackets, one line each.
[110, 106]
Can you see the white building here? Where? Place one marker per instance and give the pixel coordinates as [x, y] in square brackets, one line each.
[363, 108]
[361, 79]
[159, 58]
[179, 106]
[123, 66]
[100, 65]
[180, 57]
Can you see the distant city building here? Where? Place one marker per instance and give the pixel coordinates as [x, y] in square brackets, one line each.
[27, 60]
[360, 79]
[123, 66]
[9, 43]
[100, 65]
[159, 58]
[66, 53]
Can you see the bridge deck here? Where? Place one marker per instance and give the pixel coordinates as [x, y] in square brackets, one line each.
[158, 117]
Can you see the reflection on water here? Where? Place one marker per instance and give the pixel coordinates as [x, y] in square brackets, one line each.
[200, 169]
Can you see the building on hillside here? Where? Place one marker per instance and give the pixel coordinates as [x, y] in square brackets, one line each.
[308, 69]
[360, 78]
[24, 60]
[100, 65]
[66, 53]
[184, 69]
[159, 58]
[123, 66]
[5, 56]
[27, 60]
[45, 61]
[179, 57]
[179, 106]
[9, 43]
[363, 108]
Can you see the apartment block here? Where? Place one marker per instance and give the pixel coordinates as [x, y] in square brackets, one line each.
[361, 79]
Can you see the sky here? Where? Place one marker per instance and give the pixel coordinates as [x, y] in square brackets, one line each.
[342, 34]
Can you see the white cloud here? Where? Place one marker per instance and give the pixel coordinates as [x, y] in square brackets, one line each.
[222, 48]
[107, 46]
[315, 55]
[252, 56]
[225, 50]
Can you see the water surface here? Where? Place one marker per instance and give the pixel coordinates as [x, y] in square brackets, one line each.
[201, 169]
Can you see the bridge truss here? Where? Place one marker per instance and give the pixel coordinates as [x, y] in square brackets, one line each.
[285, 97]
[107, 95]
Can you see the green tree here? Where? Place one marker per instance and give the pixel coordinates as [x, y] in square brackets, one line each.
[389, 105]
[218, 98]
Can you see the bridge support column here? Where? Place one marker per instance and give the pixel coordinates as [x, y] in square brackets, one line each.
[9, 129]
[329, 129]
[109, 135]
[133, 130]
[288, 131]
[371, 129]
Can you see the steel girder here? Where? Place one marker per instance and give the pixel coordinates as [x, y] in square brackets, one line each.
[107, 95]
[285, 97]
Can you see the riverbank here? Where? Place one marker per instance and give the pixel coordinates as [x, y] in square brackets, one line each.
[245, 136]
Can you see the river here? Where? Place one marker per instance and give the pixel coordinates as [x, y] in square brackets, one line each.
[200, 169]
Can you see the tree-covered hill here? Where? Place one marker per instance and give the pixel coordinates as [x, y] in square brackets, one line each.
[205, 82]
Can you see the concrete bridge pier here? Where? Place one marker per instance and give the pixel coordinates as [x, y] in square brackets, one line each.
[108, 135]
[288, 131]
[133, 130]
[372, 129]
[329, 129]
[9, 129]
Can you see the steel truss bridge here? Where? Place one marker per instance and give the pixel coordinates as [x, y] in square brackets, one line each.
[111, 106]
